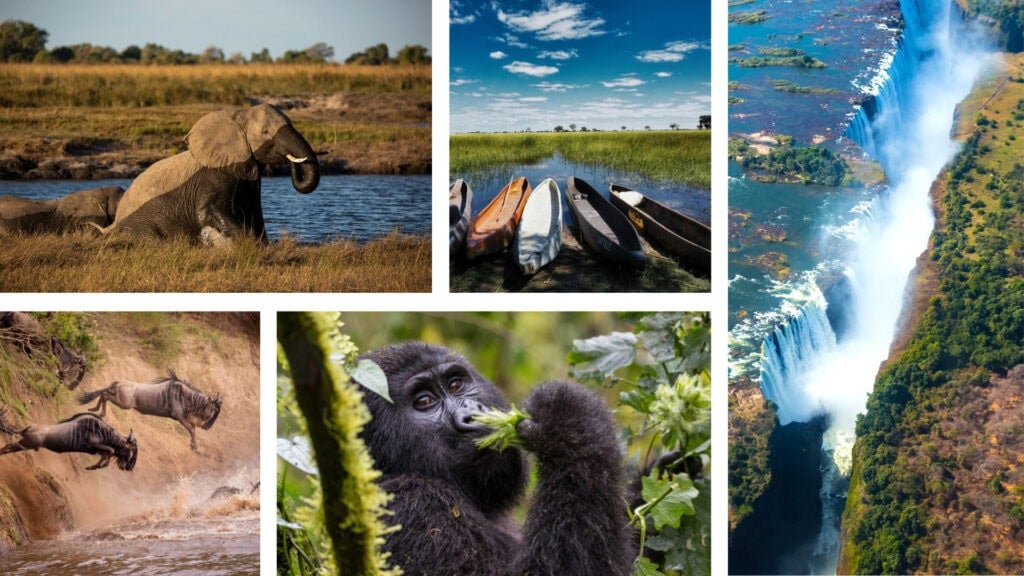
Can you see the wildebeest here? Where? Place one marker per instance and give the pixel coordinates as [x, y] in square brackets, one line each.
[26, 332]
[170, 397]
[82, 432]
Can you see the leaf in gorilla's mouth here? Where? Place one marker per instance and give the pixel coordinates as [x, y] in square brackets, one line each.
[504, 424]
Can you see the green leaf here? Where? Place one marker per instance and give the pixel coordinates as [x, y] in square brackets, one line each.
[672, 506]
[644, 567]
[637, 399]
[658, 334]
[504, 424]
[599, 357]
[692, 553]
[296, 452]
[370, 376]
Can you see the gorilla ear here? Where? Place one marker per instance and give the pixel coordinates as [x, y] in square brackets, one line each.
[217, 142]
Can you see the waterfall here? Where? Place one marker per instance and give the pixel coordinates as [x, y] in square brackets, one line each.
[905, 125]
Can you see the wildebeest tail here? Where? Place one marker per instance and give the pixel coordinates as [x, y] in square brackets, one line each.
[86, 397]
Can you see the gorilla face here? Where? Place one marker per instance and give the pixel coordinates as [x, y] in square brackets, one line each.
[429, 430]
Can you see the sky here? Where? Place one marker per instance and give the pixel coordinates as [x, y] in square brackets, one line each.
[244, 26]
[596, 63]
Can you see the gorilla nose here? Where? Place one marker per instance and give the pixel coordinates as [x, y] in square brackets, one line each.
[463, 420]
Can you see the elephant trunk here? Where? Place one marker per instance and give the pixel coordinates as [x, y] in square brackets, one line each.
[305, 173]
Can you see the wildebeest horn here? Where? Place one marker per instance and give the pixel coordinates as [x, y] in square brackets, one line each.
[170, 371]
[131, 434]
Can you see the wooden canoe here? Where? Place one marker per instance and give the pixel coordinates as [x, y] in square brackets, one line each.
[495, 225]
[676, 233]
[460, 214]
[539, 236]
[606, 230]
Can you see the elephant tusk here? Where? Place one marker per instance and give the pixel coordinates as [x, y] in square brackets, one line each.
[294, 159]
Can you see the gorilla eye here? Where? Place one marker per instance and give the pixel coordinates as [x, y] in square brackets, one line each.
[423, 402]
[455, 384]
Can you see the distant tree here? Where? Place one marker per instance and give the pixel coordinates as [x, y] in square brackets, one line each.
[674, 126]
[212, 55]
[62, 54]
[647, 127]
[559, 128]
[572, 127]
[372, 56]
[583, 128]
[316, 54]
[413, 55]
[261, 57]
[623, 128]
[20, 41]
[236, 58]
[131, 54]
[42, 57]
[705, 122]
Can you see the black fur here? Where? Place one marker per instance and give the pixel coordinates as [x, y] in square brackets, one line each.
[453, 500]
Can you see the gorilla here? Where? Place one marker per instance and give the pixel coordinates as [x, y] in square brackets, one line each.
[453, 500]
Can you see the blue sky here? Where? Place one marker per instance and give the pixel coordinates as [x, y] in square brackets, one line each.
[596, 63]
[233, 25]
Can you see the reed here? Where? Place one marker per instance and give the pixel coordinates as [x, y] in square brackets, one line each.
[82, 262]
[141, 86]
[682, 156]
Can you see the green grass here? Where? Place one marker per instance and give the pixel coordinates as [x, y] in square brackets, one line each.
[682, 156]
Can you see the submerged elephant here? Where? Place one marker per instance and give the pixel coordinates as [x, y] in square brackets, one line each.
[72, 212]
[211, 192]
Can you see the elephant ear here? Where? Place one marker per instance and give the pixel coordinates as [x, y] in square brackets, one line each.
[217, 141]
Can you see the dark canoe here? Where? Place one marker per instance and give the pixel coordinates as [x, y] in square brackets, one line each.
[606, 230]
[495, 225]
[676, 233]
[460, 214]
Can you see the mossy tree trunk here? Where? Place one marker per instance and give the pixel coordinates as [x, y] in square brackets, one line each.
[334, 411]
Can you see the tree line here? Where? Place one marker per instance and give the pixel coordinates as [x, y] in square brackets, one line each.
[22, 41]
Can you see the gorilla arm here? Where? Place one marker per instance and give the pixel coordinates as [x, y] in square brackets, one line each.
[577, 522]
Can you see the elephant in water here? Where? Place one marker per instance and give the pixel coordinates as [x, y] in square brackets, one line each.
[76, 210]
[211, 192]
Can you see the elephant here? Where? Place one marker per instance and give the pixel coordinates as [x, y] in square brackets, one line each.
[96, 206]
[211, 192]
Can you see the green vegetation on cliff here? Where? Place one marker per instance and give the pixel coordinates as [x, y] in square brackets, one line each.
[1007, 17]
[810, 165]
[937, 484]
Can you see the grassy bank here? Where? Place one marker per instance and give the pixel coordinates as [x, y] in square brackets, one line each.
[938, 486]
[368, 119]
[84, 263]
[682, 156]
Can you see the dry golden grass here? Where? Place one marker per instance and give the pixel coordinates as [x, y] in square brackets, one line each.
[39, 85]
[82, 262]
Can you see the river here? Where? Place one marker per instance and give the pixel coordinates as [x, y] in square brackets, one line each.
[356, 207]
[814, 340]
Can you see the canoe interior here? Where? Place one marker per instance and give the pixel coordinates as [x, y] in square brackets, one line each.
[605, 229]
[676, 222]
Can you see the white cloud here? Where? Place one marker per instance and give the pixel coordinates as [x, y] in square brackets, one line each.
[624, 82]
[512, 40]
[556, 87]
[534, 99]
[461, 82]
[529, 69]
[498, 55]
[673, 52]
[663, 74]
[555, 21]
[558, 54]
[456, 17]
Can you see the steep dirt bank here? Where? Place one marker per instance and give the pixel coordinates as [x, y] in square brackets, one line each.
[43, 494]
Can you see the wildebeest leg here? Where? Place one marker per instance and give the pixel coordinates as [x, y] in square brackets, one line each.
[12, 448]
[101, 406]
[191, 431]
[104, 460]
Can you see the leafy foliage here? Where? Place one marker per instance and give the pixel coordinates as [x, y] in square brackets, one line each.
[504, 424]
[811, 164]
[671, 354]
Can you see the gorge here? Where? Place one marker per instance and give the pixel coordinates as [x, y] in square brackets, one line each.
[819, 357]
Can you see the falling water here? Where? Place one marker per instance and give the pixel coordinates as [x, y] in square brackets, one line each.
[906, 127]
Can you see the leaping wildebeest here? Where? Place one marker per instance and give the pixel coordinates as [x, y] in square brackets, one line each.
[170, 397]
[82, 432]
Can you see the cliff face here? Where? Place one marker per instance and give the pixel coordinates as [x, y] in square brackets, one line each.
[938, 485]
[43, 494]
[1005, 18]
